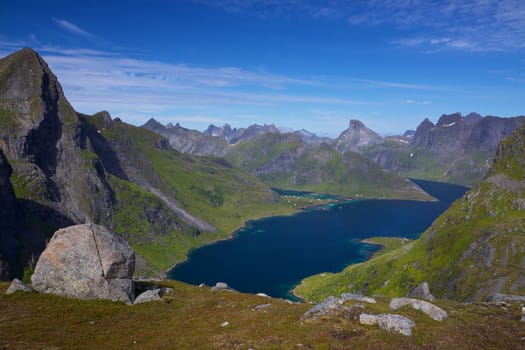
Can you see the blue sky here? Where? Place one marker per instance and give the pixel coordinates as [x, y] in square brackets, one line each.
[294, 63]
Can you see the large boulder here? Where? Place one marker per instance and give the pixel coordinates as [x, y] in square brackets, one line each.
[86, 262]
[389, 322]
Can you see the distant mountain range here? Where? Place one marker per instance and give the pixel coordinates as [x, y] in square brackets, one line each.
[298, 160]
[457, 149]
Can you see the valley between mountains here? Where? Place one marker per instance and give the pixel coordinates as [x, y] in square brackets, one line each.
[166, 190]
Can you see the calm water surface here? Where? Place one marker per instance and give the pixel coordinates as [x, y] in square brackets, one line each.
[272, 255]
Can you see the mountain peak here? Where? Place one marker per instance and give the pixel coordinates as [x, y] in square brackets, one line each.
[356, 137]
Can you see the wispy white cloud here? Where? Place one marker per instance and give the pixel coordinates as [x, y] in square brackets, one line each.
[72, 28]
[466, 25]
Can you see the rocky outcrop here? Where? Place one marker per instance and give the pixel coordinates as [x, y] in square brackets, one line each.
[356, 137]
[86, 262]
[8, 241]
[357, 297]
[431, 310]
[389, 322]
[236, 135]
[152, 295]
[422, 291]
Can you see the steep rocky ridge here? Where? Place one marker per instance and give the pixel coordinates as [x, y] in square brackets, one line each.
[235, 135]
[8, 231]
[472, 251]
[456, 149]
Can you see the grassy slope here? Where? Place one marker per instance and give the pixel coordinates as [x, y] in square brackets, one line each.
[191, 318]
[284, 161]
[206, 187]
[477, 247]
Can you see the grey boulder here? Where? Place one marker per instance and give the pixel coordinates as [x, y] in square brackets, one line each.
[86, 262]
[431, 310]
[389, 322]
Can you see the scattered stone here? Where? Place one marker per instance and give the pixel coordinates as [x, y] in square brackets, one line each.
[389, 322]
[202, 285]
[523, 314]
[263, 295]
[434, 312]
[222, 286]
[225, 324]
[358, 297]
[261, 306]
[86, 262]
[505, 297]
[148, 296]
[18, 286]
[330, 305]
[422, 292]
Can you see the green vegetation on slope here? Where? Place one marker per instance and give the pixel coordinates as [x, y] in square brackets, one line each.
[286, 161]
[475, 249]
[205, 187]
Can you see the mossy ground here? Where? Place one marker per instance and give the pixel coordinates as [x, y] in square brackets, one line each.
[191, 318]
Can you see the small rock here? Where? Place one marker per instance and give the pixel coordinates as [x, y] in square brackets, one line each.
[389, 322]
[422, 292]
[261, 306]
[263, 295]
[222, 286]
[434, 312]
[358, 297]
[148, 296]
[225, 324]
[19, 286]
[202, 285]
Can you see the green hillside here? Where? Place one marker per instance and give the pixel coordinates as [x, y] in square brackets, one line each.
[287, 161]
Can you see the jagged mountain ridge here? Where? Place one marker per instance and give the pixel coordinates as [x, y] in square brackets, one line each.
[71, 168]
[457, 149]
[471, 252]
[235, 135]
[297, 160]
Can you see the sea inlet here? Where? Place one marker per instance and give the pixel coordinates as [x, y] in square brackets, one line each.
[274, 254]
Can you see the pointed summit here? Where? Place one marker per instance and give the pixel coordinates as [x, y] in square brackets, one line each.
[356, 137]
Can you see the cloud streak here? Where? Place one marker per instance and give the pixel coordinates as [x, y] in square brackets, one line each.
[72, 28]
[465, 25]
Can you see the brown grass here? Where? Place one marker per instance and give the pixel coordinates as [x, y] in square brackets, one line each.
[191, 319]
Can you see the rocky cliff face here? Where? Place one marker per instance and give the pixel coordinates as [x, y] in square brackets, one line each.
[356, 137]
[44, 141]
[456, 149]
[8, 231]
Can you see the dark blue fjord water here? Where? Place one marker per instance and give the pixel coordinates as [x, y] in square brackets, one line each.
[272, 255]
